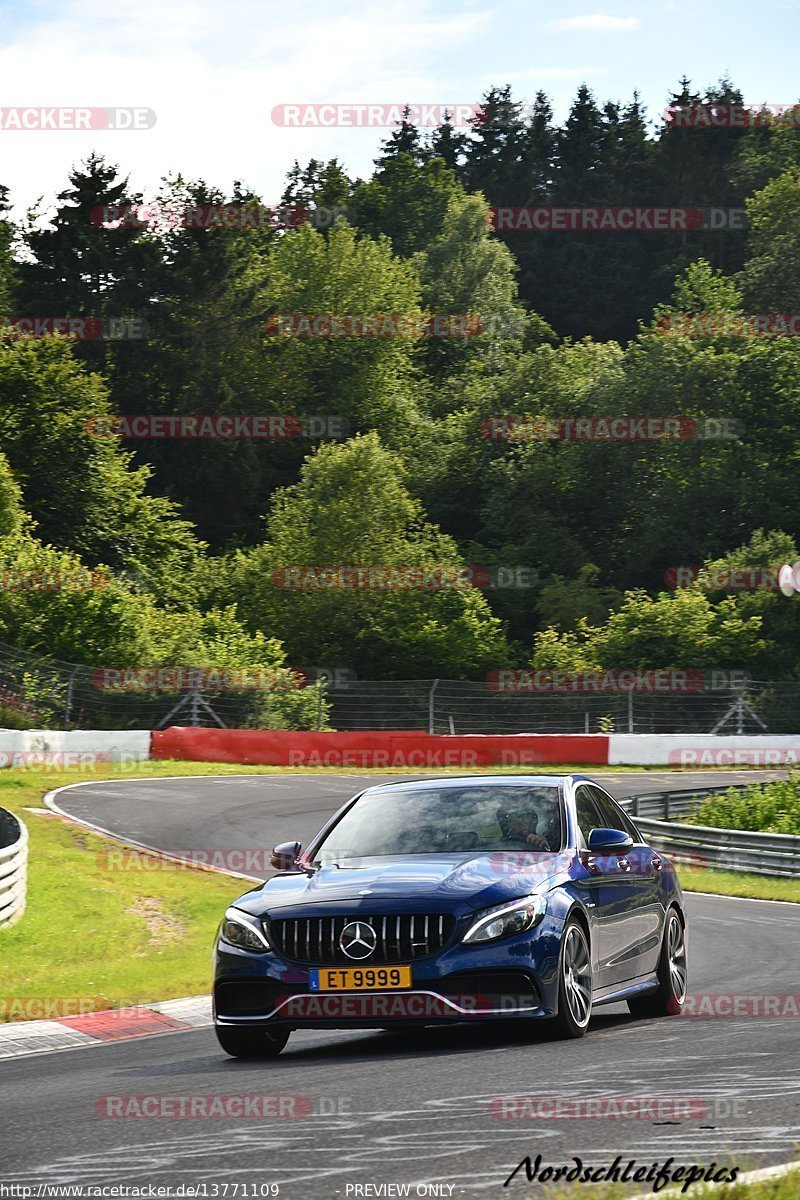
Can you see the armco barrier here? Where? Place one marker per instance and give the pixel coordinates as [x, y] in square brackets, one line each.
[709, 846]
[13, 868]
[401, 748]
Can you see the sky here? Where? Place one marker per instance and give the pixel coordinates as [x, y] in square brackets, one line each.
[212, 73]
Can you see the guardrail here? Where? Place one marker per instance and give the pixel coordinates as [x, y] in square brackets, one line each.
[707, 846]
[13, 868]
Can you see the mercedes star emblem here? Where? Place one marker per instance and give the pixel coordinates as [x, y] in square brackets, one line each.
[358, 940]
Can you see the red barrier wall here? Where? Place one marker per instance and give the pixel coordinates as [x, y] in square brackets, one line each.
[379, 748]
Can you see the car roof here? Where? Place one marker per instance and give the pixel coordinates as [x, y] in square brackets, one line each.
[461, 781]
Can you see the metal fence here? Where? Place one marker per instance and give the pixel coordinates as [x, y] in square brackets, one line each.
[451, 706]
[707, 846]
[44, 693]
[13, 867]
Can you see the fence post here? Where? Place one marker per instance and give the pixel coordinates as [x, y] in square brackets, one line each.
[68, 701]
[319, 703]
[630, 710]
[194, 708]
[430, 704]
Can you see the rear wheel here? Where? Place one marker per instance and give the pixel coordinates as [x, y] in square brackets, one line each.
[251, 1043]
[672, 975]
[574, 983]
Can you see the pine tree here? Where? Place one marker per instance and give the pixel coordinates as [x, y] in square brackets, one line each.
[81, 267]
[497, 163]
[449, 144]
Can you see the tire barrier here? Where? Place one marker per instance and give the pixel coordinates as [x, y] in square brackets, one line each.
[13, 868]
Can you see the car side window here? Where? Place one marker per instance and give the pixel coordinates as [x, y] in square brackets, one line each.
[613, 817]
[587, 813]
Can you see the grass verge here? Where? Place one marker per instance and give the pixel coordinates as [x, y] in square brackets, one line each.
[736, 883]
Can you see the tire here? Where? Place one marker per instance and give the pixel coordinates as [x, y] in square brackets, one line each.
[668, 1000]
[574, 983]
[251, 1043]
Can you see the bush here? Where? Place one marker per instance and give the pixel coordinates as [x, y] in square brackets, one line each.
[767, 808]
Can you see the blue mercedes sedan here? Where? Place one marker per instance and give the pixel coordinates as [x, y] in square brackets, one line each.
[482, 898]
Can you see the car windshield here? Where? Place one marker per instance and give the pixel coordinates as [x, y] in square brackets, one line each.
[477, 819]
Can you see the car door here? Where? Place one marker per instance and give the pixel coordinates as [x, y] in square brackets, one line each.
[614, 893]
[605, 891]
[636, 914]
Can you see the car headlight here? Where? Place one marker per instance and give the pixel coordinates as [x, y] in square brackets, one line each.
[243, 931]
[506, 920]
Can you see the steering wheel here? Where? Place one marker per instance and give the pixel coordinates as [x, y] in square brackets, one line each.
[538, 844]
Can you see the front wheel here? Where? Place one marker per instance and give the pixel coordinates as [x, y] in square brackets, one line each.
[251, 1043]
[671, 974]
[574, 983]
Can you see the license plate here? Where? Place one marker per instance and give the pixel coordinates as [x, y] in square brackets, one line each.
[359, 979]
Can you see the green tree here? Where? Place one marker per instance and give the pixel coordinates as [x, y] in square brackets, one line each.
[407, 200]
[677, 631]
[80, 488]
[770, 278]
[467, 271]
[7, 265]
[351, 508]
[497, 154]
[81, 267]
[366, 381]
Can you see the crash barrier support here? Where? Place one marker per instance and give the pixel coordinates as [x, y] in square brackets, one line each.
[13, 868]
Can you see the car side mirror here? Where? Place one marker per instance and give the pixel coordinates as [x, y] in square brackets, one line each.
[609, 841]
[285, 856]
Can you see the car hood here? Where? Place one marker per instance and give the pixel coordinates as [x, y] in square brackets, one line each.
[446, 881]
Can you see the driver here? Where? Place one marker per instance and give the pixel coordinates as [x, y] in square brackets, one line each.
[519, 824]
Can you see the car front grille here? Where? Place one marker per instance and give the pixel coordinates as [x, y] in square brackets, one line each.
[399, 938]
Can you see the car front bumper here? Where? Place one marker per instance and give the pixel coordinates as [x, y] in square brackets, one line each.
[513, 978]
